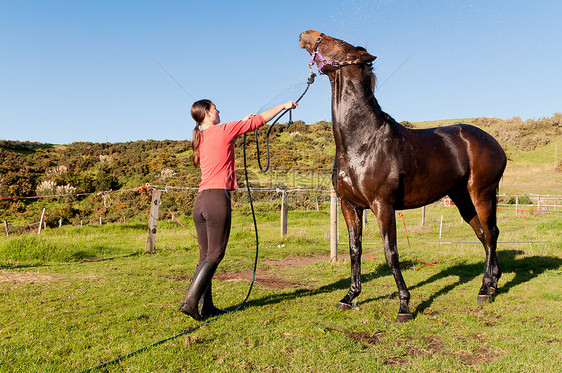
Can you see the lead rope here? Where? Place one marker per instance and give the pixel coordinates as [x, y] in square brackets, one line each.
[210, 319]
[308, 84]
[310, 81]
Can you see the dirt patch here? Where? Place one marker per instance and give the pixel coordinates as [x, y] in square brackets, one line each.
[296, 261]
[410, 350]
[265, 278]
[396, 361]
[27, 277]
[366, 338]
[38, 277]
[431, 312]
[481, 355]
[431, 345]
[488, 318]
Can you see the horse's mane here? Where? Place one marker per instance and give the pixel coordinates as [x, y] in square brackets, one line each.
[373, 76]
[370, 71]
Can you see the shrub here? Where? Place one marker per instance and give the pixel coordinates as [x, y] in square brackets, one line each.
[523, 200]
[47, 188]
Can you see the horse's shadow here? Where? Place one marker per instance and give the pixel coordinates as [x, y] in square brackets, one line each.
[299, 293]
[525, 269]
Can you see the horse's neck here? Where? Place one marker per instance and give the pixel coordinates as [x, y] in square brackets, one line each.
[356, 114]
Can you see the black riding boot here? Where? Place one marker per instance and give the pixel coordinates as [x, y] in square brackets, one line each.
[200, 282]
[206, 306]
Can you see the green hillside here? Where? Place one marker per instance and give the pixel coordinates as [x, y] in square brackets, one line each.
[301, 155]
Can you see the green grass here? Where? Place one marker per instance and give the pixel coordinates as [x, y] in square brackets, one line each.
[69, 244]
[73, 298]
[534, 171]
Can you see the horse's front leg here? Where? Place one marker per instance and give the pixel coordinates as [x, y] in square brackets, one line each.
[353, 216]
[387, 226]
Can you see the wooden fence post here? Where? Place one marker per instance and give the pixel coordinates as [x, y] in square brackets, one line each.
[7, 228]
[333, 227]
[153, 221]
[423, 216]
[284, 212]
[41, 221]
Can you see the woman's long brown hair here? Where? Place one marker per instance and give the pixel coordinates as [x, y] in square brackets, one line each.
[198, 110]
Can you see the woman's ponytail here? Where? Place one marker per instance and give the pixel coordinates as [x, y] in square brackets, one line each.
[198, 110]
[195, 144]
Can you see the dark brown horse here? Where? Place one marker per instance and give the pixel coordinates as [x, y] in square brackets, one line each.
[383, 166]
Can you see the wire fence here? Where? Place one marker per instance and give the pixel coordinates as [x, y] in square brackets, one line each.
[116, 206]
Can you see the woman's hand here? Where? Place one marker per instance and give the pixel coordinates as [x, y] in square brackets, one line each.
[249, 116]
[290, 105]
[272, 113]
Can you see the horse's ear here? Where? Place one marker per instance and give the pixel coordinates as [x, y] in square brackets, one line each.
[364, 55]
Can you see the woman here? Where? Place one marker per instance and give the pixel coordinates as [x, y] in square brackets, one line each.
[213, 152]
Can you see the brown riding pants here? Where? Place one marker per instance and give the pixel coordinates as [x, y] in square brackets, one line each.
[212, 217]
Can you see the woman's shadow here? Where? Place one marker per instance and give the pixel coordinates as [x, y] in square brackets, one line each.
[525, 269]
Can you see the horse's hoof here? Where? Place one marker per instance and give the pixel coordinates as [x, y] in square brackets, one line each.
[343, 306]
[484, 298]
[403, 317]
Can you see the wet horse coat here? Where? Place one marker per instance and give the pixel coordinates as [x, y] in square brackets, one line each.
[382, 166]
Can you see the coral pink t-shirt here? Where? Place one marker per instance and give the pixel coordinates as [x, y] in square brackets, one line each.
[216, 153]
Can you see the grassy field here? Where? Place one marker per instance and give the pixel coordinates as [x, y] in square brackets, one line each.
[534, 170]
[74, 298]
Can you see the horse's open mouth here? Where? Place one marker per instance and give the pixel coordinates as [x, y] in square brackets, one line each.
[306, 39]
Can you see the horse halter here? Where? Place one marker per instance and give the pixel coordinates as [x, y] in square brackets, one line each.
[323, 61]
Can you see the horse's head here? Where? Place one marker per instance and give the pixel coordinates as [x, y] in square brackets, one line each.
[331, 54]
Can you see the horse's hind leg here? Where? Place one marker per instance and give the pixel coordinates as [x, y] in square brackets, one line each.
[487, 233]
[485, 204]
[479, 211]
[353, 218]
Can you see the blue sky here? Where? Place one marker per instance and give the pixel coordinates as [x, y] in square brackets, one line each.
[81, 70]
